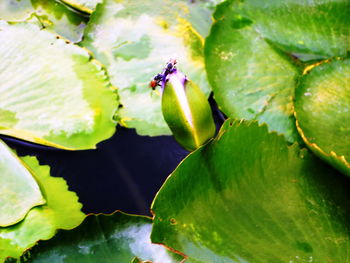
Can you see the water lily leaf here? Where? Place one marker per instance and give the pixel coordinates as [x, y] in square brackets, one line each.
[12, 10]
[104, 238]
[323, 112]
[256, 50]
[248, 197]
[307, 30]
[19, 191]
[52, 93]
[134, 39]
[87, 6]
[61, 211]
[52, 15]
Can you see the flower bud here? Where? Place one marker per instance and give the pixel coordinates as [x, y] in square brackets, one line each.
[186, 110]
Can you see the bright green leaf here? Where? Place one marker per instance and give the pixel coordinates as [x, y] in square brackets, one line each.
[134, 39]
[87, 6]
[19, 191]
[248, 197]
[52, 15]
[104, 238]
[53, 93]
[255, 48]
[61, 211]
[323, 112]
[307, 29]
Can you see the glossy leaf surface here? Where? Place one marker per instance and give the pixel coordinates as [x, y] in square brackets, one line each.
[248, 197]
[256, 51]
[134, 40]
[53, 16]
[308, 30]
[19, 191]
[61, 211]
[323, 112]
[104, 238]
[51, 92]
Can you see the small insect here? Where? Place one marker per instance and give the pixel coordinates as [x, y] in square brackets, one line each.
[155, 81]
[169, 68]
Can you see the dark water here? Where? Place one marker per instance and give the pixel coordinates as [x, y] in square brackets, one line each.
[123, 173]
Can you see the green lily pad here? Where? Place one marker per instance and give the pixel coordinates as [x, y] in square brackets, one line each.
[19, 192]
[104, 238]
[52, 15]
[307, 30]
[53, 93]
[134, 39]
[248, 197]
[323, 112]
[61, 211]
[257, 49]
[87, 6]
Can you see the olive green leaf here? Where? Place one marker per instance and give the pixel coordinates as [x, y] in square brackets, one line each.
[51, 92]
[134, 39]
[248, 197]
[104, 238]
[19, 191]
[323, 112]
[53, 16]
[61, 211]
[87, 6]
[256, 50]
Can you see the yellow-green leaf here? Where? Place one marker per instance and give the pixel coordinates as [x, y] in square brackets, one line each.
[61, 211]
[53, 15]
[323, 112]
[52, 93]
[19, 191]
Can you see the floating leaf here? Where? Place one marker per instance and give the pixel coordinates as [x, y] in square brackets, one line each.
[52, 93]
[61, 211]
[13, 10]
[248, 197]
[134, 39]
[19, 191]
[104, 238]
[255, 51]
[52, 15]
[323, 112]
[308, 30]
[86, 6]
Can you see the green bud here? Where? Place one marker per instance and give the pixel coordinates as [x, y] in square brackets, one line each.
[187, 111]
